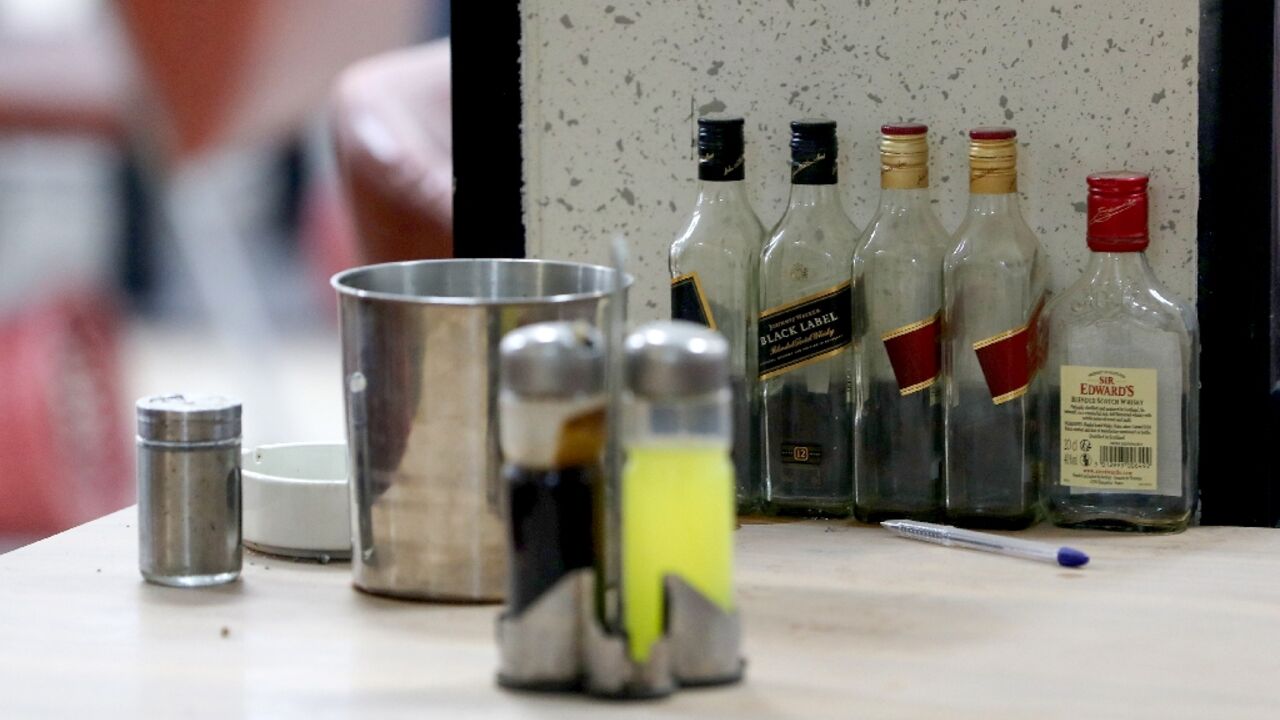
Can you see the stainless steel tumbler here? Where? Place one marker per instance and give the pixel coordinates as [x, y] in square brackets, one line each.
[420, 364]
[188, 490]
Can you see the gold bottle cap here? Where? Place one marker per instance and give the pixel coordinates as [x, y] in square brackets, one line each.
[993, 161]
[904, 156]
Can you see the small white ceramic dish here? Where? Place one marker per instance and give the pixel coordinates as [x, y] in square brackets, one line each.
[296, 502]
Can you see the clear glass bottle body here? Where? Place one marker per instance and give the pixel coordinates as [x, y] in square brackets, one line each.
[897, 283]
[721, 244]
[1118, 316]
[809, 252]
[995, 280]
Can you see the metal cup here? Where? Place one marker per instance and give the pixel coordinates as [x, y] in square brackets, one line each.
[420, 362]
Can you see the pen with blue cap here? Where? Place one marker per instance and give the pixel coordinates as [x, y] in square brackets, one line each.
[956, 537]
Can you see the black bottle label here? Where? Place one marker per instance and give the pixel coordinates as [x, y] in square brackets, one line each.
[805, 331]
[801, 453]
[689, 302]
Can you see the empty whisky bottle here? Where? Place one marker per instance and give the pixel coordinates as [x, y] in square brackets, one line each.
[1122, 372]
[995, 285]
[804, 336]
[714, 261]
[897, 291]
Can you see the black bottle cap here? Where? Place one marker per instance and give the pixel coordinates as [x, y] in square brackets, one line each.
[813, 152]
[721, 149]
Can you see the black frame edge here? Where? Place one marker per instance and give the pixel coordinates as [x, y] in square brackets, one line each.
[488, 214]
[1235, 262]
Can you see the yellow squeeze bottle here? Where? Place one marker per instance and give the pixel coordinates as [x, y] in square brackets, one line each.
[677, 487]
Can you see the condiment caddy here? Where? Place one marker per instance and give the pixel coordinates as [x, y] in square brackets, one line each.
[674, 623]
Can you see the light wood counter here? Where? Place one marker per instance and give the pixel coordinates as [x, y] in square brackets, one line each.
[841, 621]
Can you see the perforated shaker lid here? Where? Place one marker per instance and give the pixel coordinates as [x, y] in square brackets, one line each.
[188, 418]
[672, 358]
[553, 359]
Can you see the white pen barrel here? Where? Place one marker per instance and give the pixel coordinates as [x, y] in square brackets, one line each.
[1006, 545]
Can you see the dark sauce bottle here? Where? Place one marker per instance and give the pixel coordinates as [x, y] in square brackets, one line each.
[552, 433]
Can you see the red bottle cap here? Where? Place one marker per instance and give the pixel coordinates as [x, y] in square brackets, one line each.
[1118, 211]
[992, 133]
[904, 129]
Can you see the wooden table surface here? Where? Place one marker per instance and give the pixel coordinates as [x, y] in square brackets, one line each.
[841, 621]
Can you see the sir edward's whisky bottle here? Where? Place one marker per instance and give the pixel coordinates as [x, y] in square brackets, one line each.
[1122, 379]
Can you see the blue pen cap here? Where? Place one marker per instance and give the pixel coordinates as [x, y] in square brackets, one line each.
[1068, 557]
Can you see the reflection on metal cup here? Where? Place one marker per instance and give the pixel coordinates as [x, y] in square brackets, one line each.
[420, 370]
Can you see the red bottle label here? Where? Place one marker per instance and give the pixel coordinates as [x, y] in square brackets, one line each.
[1008, 360]
[913, 352]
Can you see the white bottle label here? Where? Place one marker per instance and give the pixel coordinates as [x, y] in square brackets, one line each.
[1108, 427]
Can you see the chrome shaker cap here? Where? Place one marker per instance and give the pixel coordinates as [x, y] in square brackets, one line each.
[553, 360]
[188, 418]
[672, 358]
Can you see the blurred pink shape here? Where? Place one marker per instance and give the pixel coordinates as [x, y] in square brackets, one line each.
[392, 130]
[236, 71]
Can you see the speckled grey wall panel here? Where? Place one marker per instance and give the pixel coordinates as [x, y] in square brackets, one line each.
[611, 92]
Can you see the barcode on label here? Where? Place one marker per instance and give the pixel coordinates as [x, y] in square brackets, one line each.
[1129, 456]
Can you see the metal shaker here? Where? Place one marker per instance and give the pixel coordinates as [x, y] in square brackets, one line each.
[189, 490]
[680, 626]
[552, 418]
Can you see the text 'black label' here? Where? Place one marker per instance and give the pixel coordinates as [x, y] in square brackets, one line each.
[805, 331]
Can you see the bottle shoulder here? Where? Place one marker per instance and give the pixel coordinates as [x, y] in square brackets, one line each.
[994, 240]
[906, 236]
[830, 233]
[1144, 303]
[734, 234]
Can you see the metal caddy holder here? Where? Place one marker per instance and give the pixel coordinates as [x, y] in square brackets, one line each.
[561, 642]
[558, 644]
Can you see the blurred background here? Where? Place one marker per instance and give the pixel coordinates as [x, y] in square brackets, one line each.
[178, 180]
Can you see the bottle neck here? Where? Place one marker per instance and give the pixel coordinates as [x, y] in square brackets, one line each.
[899, 200]
[993, 204]
[712, 192]
[811, 196]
